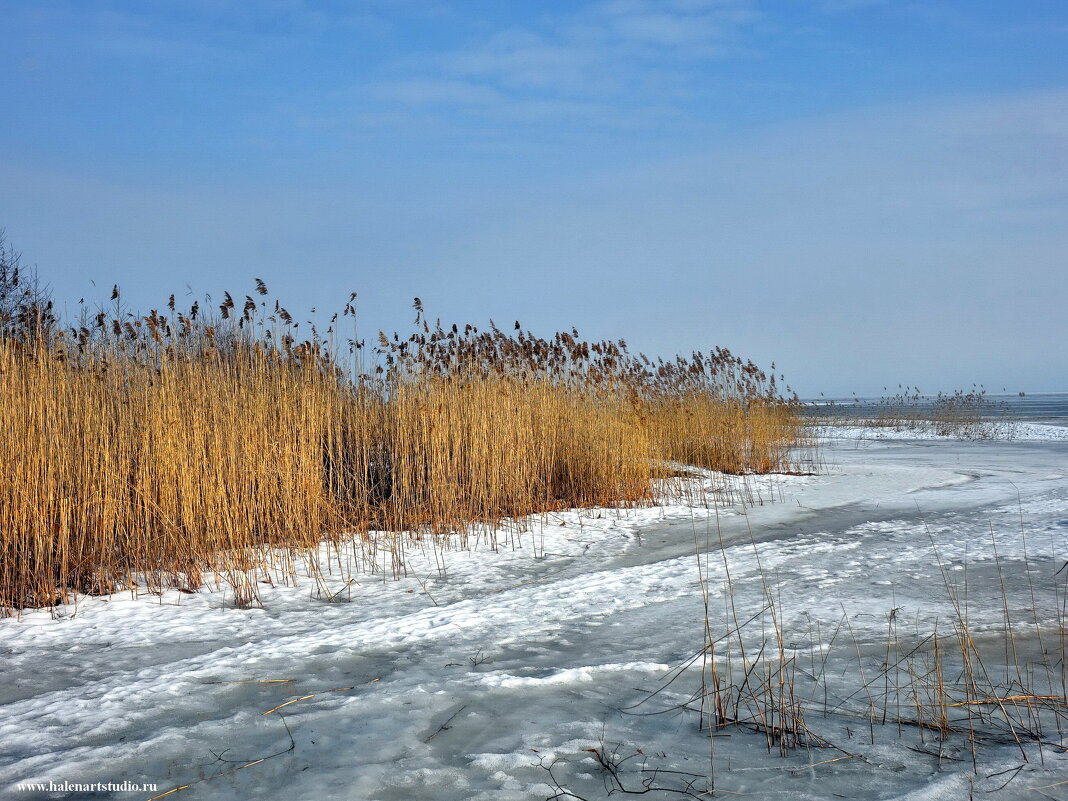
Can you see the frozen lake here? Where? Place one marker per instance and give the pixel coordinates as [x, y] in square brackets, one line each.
[557, 646]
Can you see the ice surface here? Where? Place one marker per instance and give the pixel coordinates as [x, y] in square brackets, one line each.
[480, 668]
[1009, 430]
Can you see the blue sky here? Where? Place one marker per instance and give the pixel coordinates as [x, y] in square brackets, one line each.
[868, 193]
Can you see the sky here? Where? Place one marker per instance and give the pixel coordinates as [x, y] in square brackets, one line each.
[868, 194]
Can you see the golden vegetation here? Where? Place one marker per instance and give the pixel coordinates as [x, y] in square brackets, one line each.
[153, 448]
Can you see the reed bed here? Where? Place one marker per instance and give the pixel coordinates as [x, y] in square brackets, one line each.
[970, 415]
[148, 450]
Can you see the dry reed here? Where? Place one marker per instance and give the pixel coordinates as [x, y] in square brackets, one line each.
[150, 450]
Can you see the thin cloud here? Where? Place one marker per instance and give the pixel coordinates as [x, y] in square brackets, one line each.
[617, 64]
[524, 59]
[690, 29]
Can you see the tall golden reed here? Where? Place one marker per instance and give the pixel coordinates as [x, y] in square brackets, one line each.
[152, 449]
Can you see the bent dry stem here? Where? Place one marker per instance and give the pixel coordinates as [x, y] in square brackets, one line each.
[949, 692]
